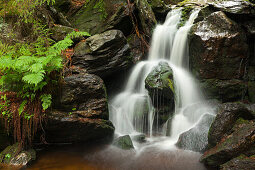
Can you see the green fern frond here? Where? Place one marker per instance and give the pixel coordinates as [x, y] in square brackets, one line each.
[37, 67]
[33, 78]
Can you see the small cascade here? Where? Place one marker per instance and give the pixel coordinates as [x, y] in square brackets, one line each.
[132, 110]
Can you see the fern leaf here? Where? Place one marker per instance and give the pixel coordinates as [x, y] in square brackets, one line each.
[46, 101]
[37, 67]
[33, 78]
[6, 62]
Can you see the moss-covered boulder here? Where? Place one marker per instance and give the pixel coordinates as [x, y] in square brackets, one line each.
[124, 142]
[96, 16]
[218, 47]
[103, 54]
[196, 139]
[146, 16]
[224, 90]
[231, 146]
[160, 86]
[226, 117]
[14, 156]
[238, 163]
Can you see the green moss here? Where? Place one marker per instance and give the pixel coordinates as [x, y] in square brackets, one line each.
[185, 15]
[100, 6]
[171, 85]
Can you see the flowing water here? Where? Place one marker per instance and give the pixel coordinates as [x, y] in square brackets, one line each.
[169, 44]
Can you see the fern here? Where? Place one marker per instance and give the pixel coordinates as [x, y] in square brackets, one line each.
[26, 68]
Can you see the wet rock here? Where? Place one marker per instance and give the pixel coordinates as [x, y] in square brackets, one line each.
[234, 7]
[196, 139]
[251, 91]
[139, 138]
[226, 117]
[241, 162]
[58, 17]
[63, 5]
[218, 48]
[124, 142]
[59, 32]
[242, 138]
[103, 54]
[23, 158]
[64, 127]
[146, 16]
[160, 86]
[159, 8]
[224, 90]
[14, 156]
[84, 94]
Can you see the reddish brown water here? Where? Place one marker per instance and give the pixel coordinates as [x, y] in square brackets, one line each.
[109, 157]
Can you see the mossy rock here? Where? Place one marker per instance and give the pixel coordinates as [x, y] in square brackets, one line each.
[9, 153]
[124, 142]
[238, 163]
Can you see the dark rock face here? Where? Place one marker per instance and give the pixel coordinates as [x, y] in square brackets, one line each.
[196, 139]
[218, 48]
[224, 90]
[225, 119]
[85, 94]
[242, 138]
[241, 162]
[124, 142]
[65, 127]
[81, 111]
[159, 8]
[4, 139]
[160, 86]
[103, 54]
[146, 16]
[235, 7]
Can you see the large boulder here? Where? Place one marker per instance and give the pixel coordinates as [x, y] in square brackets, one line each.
[85, 94]
[146, 16]
[196, 139]
[242, 138]
[241, 162]
[96, 16]
[218, 48]
[224, 90]
[159, 8]
[226, 117]
[71, 127]
[160, 86]
[103, 54]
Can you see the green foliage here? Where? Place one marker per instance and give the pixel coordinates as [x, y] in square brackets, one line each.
[4, 105]
[27, 68]
[100, 7]
[185, 15]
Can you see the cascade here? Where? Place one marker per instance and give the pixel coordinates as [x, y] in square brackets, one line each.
[132, 110]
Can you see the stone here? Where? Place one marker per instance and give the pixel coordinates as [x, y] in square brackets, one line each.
[218, 48]
[94, 16]
[160, 9]
[103, 54]
[224, 90]
[196, 139]
[242, 138]
[139, 138]
[124, 142]
[160, 86]
[234, 7]
[241, 162]
[83, 94]
[59, 32]
[146, 16]
[64, 127]
[251, 91]
[9, 153]
[226, 117]
[4, 138]
[23, 158]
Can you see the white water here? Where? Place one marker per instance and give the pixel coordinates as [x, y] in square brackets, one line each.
[169, 44]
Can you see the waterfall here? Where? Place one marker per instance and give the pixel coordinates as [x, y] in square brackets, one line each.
[132, 111]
